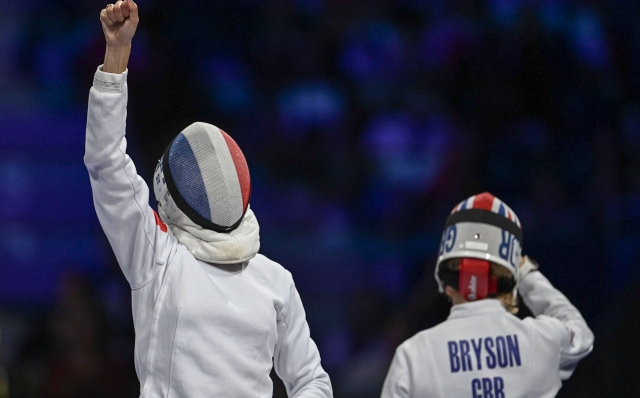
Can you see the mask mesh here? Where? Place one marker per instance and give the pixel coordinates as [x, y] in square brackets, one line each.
[205, 175]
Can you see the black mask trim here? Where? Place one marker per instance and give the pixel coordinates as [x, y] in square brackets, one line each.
[485, 217]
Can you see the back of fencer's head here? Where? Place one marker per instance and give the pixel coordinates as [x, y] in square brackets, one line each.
[500, 284]
[484, 236]
[206, 174]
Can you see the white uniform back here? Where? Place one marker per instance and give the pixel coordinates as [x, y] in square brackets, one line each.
[483, 351]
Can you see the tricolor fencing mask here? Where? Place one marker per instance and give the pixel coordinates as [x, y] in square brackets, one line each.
[206, 174]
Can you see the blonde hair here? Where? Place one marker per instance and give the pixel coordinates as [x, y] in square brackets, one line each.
[508, 299]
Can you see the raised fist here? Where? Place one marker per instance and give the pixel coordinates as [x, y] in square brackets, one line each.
[119, 22]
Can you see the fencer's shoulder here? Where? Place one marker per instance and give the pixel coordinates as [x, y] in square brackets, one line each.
[419, 341]
[545, 326]
[268, 264]
[444, 330]
[541, 321]
[269, 269]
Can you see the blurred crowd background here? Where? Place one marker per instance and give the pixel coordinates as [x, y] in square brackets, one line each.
[364, 122]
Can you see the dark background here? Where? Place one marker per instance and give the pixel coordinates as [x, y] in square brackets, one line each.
[364, 123]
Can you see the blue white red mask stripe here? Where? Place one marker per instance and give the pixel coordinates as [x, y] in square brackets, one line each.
[487, 201]
[210, 174]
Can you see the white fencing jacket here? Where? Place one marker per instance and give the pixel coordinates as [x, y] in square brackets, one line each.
[483, 351]
[202, 330]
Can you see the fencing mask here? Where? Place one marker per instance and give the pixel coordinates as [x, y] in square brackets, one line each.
[481, 229]
[202, 186]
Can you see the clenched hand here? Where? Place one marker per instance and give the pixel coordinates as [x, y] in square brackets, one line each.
[119, 23]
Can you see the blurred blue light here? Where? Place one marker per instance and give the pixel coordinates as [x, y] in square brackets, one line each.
[505, 12]
[408, 154]
[373, 51]
[533, 135]
[631, 124]
[589, 41]
[19, 243]
[389, 275]
[229, 84]
[389, 136]
[553, 14]
[313, 104]
[310, 6]
[17, 190]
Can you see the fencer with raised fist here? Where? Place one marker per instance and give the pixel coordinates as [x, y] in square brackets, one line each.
[212, 316]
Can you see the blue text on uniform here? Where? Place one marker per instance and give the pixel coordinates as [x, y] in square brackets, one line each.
[499, 351]
[487, 388]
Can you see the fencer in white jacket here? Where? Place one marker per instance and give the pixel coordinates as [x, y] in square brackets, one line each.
[211, 315]
[482, 350]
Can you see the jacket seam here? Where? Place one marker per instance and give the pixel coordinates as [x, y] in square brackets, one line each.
[151, 279]
[173, 345]
[151, 355]
[133, 186]
[285, 307]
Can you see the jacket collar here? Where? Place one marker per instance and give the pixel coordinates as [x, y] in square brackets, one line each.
[474, 308]
[234, 247]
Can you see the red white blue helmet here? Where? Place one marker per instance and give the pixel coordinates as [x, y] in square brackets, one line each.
[482, 227]
[206, 174]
